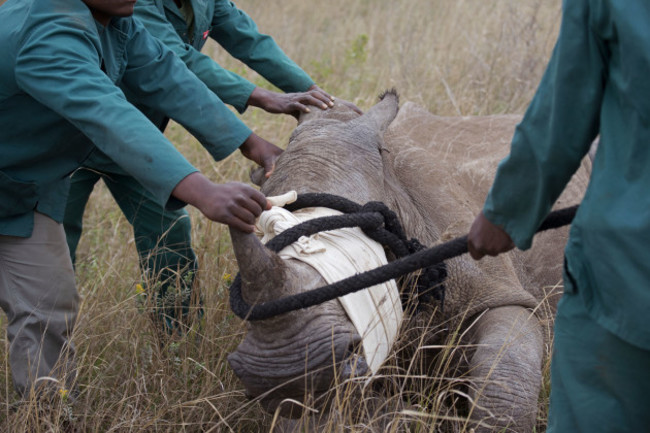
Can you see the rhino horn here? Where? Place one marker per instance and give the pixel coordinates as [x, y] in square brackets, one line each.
[262, 272]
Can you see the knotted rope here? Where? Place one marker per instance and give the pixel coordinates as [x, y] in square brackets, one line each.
[380, 224]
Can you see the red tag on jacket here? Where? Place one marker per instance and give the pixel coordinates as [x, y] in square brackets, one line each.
[206, 34]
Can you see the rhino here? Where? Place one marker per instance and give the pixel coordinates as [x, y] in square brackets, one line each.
[434, 173]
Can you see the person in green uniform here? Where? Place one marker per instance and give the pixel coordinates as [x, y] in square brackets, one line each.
[60, 61]
[162, 237]
[596, 82]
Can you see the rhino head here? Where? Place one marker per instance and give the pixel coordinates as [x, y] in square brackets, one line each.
[300, 354]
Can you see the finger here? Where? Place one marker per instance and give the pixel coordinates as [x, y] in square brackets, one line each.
[309, 99]
[269, 165]
[252, 206]
[298, 107]
[243, 214]
[260, 199]
[269, 172]
[315, 88]
[241, 226]
[322, 97]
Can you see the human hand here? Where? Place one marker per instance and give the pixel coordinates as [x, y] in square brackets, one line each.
[235, 204]
[261, 152]
[341, 101]
[486, 238]
[289, 103]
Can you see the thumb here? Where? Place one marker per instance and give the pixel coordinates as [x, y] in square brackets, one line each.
[269, 165]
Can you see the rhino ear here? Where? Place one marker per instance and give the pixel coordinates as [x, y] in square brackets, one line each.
[262, 272]
[382, 113]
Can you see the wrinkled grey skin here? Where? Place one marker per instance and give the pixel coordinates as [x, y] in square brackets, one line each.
[434, 172]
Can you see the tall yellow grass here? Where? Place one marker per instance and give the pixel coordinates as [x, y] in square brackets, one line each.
[455, 57]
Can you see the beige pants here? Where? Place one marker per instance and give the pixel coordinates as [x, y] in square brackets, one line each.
[38, 294]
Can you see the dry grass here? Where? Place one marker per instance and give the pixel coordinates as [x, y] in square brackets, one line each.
[465, 57]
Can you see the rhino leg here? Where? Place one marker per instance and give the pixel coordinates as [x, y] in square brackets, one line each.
[506, 369]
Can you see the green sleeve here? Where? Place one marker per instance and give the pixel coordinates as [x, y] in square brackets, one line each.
[161, 81]
[231, 88]
[556, 131]
[95, 106]
[234, 30]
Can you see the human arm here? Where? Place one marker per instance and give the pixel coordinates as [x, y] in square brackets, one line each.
[230, 87]
[555, 133]
[155, 77]
[71, 84]
[238, 34]
[159, 80]
[58, 65]
[234, 30]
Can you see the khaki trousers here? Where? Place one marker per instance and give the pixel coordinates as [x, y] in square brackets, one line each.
[38, 295]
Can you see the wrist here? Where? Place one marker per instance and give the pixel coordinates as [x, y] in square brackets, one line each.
[192, 189]
[258, 97]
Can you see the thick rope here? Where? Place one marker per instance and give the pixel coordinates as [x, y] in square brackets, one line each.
[428, 284]
[370, 222]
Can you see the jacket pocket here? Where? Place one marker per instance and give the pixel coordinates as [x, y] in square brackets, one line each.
[16, 197]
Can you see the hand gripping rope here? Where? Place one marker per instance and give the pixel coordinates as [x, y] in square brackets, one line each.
[380, 224]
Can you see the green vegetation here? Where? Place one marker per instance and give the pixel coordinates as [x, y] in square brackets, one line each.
[455, 57]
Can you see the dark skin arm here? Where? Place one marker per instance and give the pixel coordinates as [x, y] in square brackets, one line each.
[235, 204]
[486, 238]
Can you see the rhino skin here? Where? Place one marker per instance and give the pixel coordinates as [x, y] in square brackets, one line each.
[434, 172]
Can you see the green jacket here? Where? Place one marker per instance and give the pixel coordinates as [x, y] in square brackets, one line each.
[55, 96]
[596, 82]
[233, 30]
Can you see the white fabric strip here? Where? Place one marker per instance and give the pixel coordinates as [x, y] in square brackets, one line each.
[376, 312]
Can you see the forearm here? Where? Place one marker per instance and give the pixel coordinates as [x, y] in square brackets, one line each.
[230, 87]
[158, 79]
